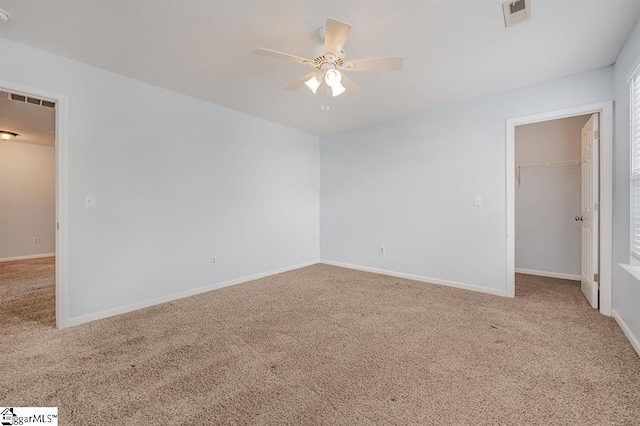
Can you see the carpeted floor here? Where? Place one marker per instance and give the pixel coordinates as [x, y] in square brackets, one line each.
[322, 345]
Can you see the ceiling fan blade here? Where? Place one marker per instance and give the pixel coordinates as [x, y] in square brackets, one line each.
[299, 82]
[352, 88]
[279, 55]
[375, 64]
[335, 36]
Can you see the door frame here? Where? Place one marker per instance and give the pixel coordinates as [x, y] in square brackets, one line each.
[62, 188]
[605, 109]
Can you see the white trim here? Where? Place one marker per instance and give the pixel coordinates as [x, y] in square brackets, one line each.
[511, 208]
[634, 257]
[62, 189]
[606, 209]
[549, 274]
[463, 286]
[634, 69]
[147, 303]
[31, 256]
[605, 109]
[627, 331]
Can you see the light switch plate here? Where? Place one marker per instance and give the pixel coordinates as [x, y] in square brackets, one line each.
[89, 201]
[477, 200]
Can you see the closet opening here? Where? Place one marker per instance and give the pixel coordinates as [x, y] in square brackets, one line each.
[595, 215]
[557, 205]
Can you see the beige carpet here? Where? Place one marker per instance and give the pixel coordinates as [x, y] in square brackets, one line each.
[322, 345]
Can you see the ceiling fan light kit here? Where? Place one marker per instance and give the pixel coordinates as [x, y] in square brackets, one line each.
[7, 136]
[333, 78]
[313, 83]
[330, 63]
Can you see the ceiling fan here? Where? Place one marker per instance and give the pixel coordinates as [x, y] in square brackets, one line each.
[330, 62]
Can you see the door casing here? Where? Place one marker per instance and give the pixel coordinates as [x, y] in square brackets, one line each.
[605, 109]
[62, 188]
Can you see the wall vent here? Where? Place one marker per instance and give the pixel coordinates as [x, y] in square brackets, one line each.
[516, 12]
[30, 100]
[15, 97]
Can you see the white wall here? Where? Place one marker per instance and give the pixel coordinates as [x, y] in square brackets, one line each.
[177, 180]
[548, 199]
[27, 199]
[626, 290]
[409, 183]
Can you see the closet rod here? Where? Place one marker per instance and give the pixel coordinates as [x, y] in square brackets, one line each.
[550, 164]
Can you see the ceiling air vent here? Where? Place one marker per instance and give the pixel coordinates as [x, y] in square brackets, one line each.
[30, 100]
[516, 12]
[19, 98]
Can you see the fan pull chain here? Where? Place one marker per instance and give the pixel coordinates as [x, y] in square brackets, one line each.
[327, 97]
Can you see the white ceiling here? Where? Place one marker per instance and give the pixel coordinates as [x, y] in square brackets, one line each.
[33, 123]
[453, 49]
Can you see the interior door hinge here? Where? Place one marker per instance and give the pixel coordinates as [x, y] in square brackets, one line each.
[57, 225]
[596, 278]
[596, 135]
[596, 206]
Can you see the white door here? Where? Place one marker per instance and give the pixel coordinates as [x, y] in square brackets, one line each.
[590, 209]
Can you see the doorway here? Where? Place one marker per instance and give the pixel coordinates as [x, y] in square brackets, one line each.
[598, 221]
[27, 209]
[556, 185]
[56, 104]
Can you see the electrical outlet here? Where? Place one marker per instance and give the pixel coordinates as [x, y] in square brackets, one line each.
[213, 260]
[36, 240]
[326, 244]
[382, 250]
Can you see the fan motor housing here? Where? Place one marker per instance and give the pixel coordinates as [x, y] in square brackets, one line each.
[325, 60]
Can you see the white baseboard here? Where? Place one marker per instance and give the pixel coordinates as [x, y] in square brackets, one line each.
[549, 274]
[627, 332]
[147, 303]
[31, 256]
[463, 286]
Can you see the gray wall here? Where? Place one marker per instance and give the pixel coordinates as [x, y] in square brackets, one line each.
[409, 184]
[548, 199]
[27, 199]
[177, 180]
[626, 290]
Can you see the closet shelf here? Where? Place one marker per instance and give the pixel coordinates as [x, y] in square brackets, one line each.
[540, 165]
[551, 164]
